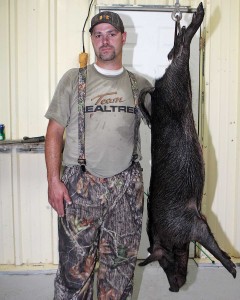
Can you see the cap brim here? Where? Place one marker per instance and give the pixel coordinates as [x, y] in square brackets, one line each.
[100, 22]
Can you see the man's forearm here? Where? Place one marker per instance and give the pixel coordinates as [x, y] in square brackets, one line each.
[53, 151]
[57, 191]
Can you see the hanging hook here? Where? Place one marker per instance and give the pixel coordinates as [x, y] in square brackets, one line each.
[177, 14]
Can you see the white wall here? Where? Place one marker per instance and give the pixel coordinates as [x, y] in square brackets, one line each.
[40, 40]
[221, 122]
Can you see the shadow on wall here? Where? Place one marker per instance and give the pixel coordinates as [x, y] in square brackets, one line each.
[211, 169]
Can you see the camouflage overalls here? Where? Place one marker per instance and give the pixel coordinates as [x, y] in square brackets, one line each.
[103, 224]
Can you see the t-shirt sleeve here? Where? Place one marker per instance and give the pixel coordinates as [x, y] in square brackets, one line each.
[59, 108]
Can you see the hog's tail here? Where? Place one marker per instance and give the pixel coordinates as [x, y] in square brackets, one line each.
[141, 104]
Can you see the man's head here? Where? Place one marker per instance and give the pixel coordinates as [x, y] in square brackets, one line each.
[108, 37]
[107, 17]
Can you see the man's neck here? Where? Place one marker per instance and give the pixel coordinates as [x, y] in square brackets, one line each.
[109, 65]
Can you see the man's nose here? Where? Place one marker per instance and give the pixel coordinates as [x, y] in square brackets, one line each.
[105, 39]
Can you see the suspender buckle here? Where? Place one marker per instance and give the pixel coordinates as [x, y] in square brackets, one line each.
[82, 163]
[134, 157]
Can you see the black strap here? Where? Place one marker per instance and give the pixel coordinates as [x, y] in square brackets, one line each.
[82, 78]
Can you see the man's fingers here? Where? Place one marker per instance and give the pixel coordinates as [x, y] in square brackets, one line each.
[60, 209]
[67, 198]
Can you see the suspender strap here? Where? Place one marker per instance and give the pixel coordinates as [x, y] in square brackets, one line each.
[135, 92]
[82, 77]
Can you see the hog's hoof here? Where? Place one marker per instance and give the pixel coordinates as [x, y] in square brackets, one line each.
[199, 14]
[229, 265]
[234, 272]
[142, 264]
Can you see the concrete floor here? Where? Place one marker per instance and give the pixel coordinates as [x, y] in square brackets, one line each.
[203, 283]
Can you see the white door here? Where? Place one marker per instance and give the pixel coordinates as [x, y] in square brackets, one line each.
[150, 37]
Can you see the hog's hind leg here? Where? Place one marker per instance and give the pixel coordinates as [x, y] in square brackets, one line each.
[201, 233]
[195, 24]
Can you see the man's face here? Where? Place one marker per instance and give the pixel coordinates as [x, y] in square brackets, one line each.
[107, 42]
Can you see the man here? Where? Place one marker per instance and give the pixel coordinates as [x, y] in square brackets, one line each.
[100, 196]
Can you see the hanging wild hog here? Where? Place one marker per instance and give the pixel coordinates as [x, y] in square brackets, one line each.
[177, 173]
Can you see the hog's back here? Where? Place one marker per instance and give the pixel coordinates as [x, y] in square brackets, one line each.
[177, 174]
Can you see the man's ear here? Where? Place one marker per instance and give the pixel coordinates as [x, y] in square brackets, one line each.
[124, 37]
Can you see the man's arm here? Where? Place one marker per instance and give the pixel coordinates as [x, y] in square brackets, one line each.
[57, 191]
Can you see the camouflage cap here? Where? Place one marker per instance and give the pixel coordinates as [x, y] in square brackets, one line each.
[107, 17]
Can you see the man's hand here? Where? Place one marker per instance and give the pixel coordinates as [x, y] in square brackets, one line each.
[57, 194]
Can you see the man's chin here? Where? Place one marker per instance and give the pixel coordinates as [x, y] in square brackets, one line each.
[107, 57]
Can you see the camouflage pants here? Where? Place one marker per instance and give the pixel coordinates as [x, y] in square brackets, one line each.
[103, 224]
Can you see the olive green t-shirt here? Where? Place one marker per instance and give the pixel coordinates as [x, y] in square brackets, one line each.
[109, 119]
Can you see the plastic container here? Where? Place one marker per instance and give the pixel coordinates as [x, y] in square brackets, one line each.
[2, 133]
